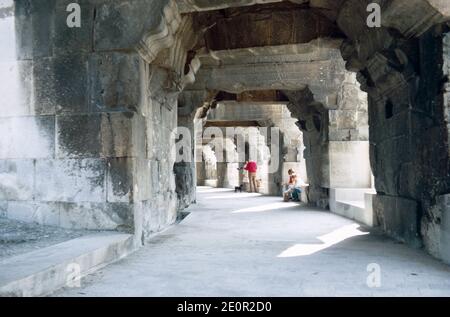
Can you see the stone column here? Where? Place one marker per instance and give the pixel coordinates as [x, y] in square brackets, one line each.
[185, 170]
[348, 138]
[227, 170]
[189, 122]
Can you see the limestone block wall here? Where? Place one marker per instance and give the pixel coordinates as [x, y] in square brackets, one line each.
[409, 140]
[59, 154]
[83, 116]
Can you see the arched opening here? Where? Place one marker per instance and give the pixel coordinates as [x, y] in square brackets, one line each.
[112, 126]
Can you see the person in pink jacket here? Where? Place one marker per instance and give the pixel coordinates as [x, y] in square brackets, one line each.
[252, 168]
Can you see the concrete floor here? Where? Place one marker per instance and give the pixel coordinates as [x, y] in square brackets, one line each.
[249, 245]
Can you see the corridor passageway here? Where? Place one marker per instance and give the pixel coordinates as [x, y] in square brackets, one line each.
[114, 112]
[252, 245]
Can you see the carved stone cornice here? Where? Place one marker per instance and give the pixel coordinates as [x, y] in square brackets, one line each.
[163, 36]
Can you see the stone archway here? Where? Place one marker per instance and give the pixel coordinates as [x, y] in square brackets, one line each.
[98, 101]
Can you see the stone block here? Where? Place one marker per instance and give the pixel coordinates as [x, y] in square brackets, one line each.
[85, 215]
[143, 185]
[115, 82]
[155, 172]
[343, 119]
[74, 40]
[120, 26]
[96, 216]
[360, 134]
[7, 34]
[42, 213]
[444, 202]
[349, 165]
[185, 183]
[24, 29]
[71, 180]
[3, 209]
[120, 180]
[409, 180]
[27, 137]
[123, 135]
[154, 137]
[159, 213]
[370, 217]
[16, 179]
[47, 213]
[336, 134]
[60, 84]
[34, 28]
[169, 118]
[78, 136]
[45, 92]
[399, 218]
[16, 88]
[21, 210]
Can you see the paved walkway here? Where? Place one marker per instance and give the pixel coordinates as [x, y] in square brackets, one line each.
[249, 245]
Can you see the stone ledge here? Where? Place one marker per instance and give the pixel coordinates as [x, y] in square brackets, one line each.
[354, 203]
[44, 271]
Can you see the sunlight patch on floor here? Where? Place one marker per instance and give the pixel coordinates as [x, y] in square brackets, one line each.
[204, 189]
[267, 207]
[328, 240]
[235, 196]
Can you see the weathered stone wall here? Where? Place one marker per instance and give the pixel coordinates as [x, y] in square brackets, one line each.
[156, 174]
[60, 154]
[84, 110]
[84, 113]
[402, 71]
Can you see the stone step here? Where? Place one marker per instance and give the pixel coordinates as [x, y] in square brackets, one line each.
[44, 271]
[354, 203]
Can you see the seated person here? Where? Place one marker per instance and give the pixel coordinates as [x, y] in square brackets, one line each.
[292, 190]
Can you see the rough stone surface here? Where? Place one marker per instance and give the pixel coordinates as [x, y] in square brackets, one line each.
[109, 92]
[20, 237]
[399, 217]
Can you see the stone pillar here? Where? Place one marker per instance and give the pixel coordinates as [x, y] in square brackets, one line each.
[189, 122]
[185, 170]
[348, 138]
[409, 138]
[209, 166]
[336, 139]
[313, 122]
[227, 170]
